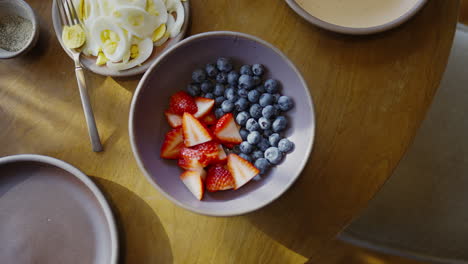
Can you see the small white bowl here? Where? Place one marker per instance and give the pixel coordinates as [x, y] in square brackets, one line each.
[21, 8]
[406, 13]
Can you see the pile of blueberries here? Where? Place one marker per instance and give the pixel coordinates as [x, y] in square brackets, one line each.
[256, 104]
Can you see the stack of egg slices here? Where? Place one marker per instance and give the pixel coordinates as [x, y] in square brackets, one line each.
[122, 33]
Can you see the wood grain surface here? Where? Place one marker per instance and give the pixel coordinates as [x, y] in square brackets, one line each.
[370, 94]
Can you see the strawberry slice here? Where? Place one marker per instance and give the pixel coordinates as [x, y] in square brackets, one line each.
[209, 119]
[191, 159]
[242, 171]
[213, 152]
[173, 143]
[182, 102]
[204, 106]
[194, 182]
[227, 131]
[219, 179]
[174, 120]
[222, 157]
[194, 132]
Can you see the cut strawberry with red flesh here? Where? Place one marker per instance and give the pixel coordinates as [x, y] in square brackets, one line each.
[173, 143]
[204, 106]
[193, 180]
[194, 132]
[242, 171]
[222, 157]
[226, 130]
[174, 120]
[182, 102]
[191, 159]
[219, 178]
[209, 119]
[213, 152]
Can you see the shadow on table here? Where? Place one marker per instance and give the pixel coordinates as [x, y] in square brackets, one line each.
[141, 235]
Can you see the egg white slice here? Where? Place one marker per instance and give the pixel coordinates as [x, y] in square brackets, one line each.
[177, 7]
[106, 23]
[158, 10]
[105, 6]
[135, 20]
[137, 3]
[145, 49]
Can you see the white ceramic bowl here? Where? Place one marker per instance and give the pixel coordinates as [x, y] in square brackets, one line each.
[21, 8]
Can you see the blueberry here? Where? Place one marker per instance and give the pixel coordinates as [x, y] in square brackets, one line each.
[245, 147]
[221, 78]
[254, 137]
[257, 154]
[246, 81]
[253, 96]
[269, 111]
[206, 87]
[261, 89]
[233, 77]
[193, 89]
[242, 92]
[246, 157]
[257, 80]
[285, 145]
[255, 111]
[241, 104]
[219, 89]
[274, 139]
[272, 86]
[211, 70]
[263, 144]
[258, 69]
[198, 75]
[262, 164]
[219, 113]
[219, 100]
[244, 133]
[230, 94]
[246, 69]
[267, 132]
[279, 124]
[242, 118]
[266, 99]
[264, 123]
[224, 64]
[273, 155]
[209, 95]
[227, 106]
[252, 125]
[285, 103]
[276, 97]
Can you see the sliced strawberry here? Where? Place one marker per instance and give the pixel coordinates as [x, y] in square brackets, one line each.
[242, 171]
[191, 159]
[204, 106]
[209, 119]
[194, 182]
[226, 130]
[213, 152]
[222, 157]
[182, 102]
[174, 120]
[173, 143]
[219, 178]
[229, 145]
[194, 132]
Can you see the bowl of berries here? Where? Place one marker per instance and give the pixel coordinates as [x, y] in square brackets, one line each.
[222, 123]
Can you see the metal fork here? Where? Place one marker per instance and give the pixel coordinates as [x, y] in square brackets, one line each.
[69, 17]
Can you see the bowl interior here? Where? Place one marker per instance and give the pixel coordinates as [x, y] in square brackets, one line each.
[172, 73]
[22, 9]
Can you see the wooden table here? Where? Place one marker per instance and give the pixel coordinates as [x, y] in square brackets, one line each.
[370, 93]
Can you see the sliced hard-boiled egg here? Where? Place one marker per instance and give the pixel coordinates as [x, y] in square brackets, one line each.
[136, 20]
[101, 59]
[158, 9]
[105, 6]
[145, 48]
[159, 33]
[73, 36]
[138, 3]
[110, 37]
[177, 7]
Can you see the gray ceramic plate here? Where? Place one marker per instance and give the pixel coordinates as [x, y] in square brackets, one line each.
[50, 212]
[403, 17]
[90, 63]
[172, 72]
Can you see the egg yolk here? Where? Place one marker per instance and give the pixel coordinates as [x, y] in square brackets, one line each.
[159, 33]
[134, 51]
[110, 41]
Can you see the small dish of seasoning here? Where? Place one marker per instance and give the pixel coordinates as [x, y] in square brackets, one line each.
[19, 29]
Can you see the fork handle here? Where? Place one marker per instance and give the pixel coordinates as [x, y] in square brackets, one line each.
[88, 111]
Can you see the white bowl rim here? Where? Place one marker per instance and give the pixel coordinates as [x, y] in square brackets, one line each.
[144, 80]
[86, 181]
[351, 30]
